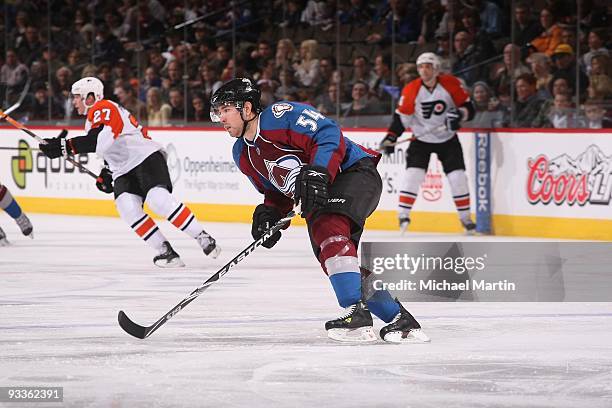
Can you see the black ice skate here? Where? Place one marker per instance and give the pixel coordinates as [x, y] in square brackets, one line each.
[168, 258]
[469, 226]
[404, 223]
[208, 244]
[3, 240]
[403, 329]
[355, 326]
[25, 225]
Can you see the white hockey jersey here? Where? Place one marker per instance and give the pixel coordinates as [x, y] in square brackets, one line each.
[123, 143]
[424, 111]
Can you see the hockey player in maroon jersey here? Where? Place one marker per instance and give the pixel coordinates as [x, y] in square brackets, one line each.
[137, 172]
[293, 154]
[433, 106]
[10, 206]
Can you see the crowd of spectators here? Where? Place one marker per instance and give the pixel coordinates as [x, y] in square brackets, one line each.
[550, 67]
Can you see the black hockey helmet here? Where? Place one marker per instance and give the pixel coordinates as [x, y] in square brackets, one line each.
[235, 92]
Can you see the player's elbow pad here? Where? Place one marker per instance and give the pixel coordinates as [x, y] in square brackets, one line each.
[85, 144]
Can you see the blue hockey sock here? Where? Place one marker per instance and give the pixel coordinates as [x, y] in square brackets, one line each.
[347, 286]
[13, 209]
[383, 305]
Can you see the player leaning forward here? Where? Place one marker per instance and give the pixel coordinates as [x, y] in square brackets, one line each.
[137, 172]
[293, 154]
[433, 106]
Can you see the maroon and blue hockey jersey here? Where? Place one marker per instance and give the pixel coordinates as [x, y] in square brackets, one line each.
[290, 135]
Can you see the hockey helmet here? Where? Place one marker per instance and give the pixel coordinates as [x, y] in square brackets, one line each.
[235, 92]
[86, 86]
[429, 58]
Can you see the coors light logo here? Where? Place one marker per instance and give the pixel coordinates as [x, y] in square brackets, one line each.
[587, 178]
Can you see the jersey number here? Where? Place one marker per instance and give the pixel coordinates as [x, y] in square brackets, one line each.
[98, 113]
[310, 122]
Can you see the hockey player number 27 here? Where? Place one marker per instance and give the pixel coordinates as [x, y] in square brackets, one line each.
[312, 122]
[98, 113]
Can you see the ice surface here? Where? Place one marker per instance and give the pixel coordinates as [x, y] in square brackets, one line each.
[256, 338]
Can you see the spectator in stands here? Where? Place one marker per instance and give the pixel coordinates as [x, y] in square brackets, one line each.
[560, 85]
[597, 40]
[158, 113]
[307, 69]
[433, 12]
[151, 80]
[104, 74]
[600, 86]
[526, 28]
[75, 62]
[443, 51]
[201, 110]
[468, 59]
[260, 55]
[267, 83]
[527, 105]
[14, 74]
[40, 105]
[568, 36]
[207, 81]
[220, 57]
[402, 18]
[292, 14]
[28, 47]
[326, 103]
[285, 54]
[156, 60]
[488, 113]
[595, 14]
[360, 103]
[107, 47]
[470, 20]
[565, 62]
[362, 72]
[383, 75]
[540, 67]
[562, 115]
[287, 85]
[359, 13]
[173, 78]
[490, 16]
[126, 95]
[177, 103]
[511, 69]
[327, 65]
[595, 115]
[317, 13]
[550, 37]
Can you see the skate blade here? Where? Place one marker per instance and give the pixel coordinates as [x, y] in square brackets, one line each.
[360, 335]
[175, 263]
[414, 336]
[214, 254]
[404, 228]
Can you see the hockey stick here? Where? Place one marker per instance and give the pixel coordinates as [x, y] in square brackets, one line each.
[17, 104]
[142, 332]
[411, 138]
[21, 126]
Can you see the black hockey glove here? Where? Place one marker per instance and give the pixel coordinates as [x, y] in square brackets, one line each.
[388, 144]
[311, 188]
[56, 146]
[453, 119]
[104, 182]
[264, 218]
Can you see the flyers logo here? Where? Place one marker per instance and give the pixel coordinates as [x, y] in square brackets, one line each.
[433, 107]
[279, 109]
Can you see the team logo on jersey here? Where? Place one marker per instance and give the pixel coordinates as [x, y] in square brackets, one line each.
[283, 171]
[434, 107]
[279, 109]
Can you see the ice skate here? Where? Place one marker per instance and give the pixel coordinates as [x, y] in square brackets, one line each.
[25, 225]
[168, 258]
[3, 240]
[355, 326]
[403, 329]
[469, 226]
[208, 244]
[404, 223]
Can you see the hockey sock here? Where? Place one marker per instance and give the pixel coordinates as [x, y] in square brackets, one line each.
[129, 207]
[461, 194]
[383, 305]
[162, 202]
[8, 203]
[409, 189]
[338, 256]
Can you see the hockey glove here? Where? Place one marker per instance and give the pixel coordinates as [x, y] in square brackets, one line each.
[56, 146]
[311, 188]
[453, 119]
[104, 182]
[264, 218]
[388, 144]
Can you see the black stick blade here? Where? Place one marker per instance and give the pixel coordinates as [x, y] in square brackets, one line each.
[130, 327]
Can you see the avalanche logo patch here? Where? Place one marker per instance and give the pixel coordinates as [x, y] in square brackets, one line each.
[434, 107]
[283, 171]
[279, 109]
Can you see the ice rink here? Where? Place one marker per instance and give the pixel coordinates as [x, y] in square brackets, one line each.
[256, 337]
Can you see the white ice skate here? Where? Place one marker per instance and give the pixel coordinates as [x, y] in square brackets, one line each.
[208, 244]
